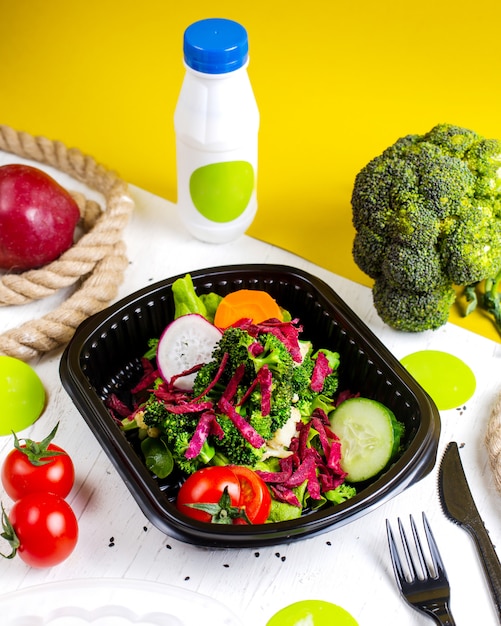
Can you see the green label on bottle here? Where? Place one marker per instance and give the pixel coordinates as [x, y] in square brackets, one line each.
[222, 191]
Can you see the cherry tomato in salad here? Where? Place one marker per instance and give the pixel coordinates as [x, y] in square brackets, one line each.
[207, 486]
[225, 494]
[255, 497]
[37, 467]
[41, 528]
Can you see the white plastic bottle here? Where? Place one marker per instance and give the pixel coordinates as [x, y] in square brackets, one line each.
[216, 123]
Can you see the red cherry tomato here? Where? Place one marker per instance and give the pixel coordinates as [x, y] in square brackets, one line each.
[207, 486]
[255, 497]
[247, 493]
[20, 476]
[43, 529]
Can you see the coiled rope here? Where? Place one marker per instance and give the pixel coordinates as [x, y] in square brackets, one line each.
[97, 260]
[493, 442]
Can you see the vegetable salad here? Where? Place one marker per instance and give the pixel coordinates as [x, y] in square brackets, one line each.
[231, 383]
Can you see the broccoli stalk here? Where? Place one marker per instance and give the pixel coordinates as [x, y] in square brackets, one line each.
[489, 299]
[492, 299]
[427, 215]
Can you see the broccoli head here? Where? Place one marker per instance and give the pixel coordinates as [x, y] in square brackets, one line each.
[427, 215]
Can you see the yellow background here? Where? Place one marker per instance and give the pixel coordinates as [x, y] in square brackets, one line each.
[336, 83]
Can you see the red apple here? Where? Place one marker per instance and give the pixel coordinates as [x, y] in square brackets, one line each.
[37, 217]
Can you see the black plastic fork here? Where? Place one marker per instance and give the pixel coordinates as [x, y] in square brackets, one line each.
[427, 588]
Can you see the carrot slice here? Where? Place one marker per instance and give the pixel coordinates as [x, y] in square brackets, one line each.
[246, 303]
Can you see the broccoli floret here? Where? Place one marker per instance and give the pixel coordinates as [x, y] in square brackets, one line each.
[235, 449]
[263, 424]
[427, 214]
[235, 343]
[275, 355]
[281, 364]
[413, 311]
[340, 494]
[305, 399]
[303, 395]
[467, 254]
[178, 447]
[177, 430]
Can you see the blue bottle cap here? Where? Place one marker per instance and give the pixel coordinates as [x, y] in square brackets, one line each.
[215, 46]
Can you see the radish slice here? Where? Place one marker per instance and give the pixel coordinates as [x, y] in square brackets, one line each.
[187, 341]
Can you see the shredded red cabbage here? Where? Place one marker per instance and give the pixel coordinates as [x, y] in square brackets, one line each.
[191, 370]
[114, 404]
[245, 429]
[150, 374]
[188, 407]
[232, 386]
[265, 380]
[321, 370]
[344, 395]
[255, 349]
[282, 494]
[322, 471]
[166, 393]
[287, 332]
[218, 375]
[202, 431]
[248, 391]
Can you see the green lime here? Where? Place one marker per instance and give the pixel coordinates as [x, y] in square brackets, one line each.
[446, 378]
[222, 191]
[312, 613]
[22, 395]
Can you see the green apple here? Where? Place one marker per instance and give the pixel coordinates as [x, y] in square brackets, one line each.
[22, 395]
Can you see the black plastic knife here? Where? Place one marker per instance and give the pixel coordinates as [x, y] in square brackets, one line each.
[458, 505]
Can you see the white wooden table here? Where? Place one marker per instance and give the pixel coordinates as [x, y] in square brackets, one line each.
[348, 566]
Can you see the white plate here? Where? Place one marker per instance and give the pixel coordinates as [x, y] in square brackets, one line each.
[111, 602]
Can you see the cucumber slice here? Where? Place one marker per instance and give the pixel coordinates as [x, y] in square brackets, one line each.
[366, 430]
[187, 341]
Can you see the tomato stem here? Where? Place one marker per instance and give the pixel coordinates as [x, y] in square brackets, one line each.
[222, 512]
[38, 452]
[9, 534]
